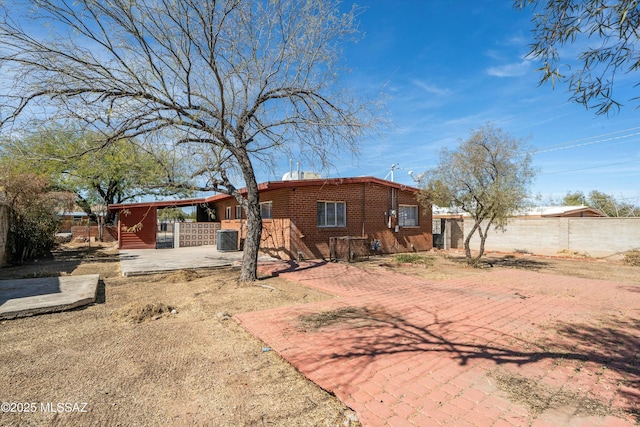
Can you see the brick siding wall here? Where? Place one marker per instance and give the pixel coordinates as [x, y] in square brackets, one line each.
[367, 215]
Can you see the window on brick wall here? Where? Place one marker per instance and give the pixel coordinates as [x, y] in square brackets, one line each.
[408, 216]
[238, 212]
[265, 210]
[227, 213]
[332, 214]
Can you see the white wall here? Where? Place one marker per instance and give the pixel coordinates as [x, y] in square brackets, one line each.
[597, 237]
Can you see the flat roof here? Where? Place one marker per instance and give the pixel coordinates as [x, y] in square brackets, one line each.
[269, 185]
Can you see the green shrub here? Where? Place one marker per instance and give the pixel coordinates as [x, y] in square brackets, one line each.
[412, 259]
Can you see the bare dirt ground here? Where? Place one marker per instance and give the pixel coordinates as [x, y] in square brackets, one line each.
[128, 360]
[194, 367]
[443, 265]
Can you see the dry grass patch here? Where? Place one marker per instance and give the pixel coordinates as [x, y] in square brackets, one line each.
[138, 312]
[572, 254]
[539, 397]
[354, 317]
[315, 321]
[632, 258]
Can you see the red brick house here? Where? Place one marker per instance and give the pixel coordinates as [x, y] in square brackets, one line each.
[299, 217]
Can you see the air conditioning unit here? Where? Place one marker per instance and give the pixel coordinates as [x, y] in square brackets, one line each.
[227, 240]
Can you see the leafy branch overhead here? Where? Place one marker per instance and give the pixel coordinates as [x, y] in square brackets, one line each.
[606, 36]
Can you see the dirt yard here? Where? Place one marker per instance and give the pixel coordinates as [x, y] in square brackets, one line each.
[165, 350]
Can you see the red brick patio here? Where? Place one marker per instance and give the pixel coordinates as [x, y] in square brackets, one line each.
[508, 347]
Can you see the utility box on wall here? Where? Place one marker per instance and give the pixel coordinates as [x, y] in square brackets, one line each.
[227, 240]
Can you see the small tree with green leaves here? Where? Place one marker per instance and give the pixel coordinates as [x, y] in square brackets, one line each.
[172, 215]
[488, 176]
[98, 173]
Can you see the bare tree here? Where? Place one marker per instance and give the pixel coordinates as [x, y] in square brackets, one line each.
[605, 35]
[232, 81]
[488, 177]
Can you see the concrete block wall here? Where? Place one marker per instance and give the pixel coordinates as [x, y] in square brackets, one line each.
[596, 237]
[187, 234]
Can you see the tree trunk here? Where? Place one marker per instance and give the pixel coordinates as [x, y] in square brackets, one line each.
[100, 228]
[467, 240]
[249, 270]
[483, 239]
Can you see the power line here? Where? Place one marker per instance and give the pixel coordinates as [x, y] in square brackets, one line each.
[590, 167]
[588, 138]
[584, 143]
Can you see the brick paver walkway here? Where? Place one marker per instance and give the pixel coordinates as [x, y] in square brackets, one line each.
[508, 347]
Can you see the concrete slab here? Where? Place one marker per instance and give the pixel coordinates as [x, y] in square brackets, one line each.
[135, 262]
[28, 297]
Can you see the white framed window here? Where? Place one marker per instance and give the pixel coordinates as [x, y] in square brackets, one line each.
[265, 210]
[227, 213]
[238, 212]
[408, 215]
[332, 214]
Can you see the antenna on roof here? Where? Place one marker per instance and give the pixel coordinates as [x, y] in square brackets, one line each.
[393, 168]
[416, 178]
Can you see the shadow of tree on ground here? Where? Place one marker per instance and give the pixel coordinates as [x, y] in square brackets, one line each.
[375, 331]
[508, 261]
[289, 266]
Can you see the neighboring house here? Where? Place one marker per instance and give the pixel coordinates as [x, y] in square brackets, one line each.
[562, 212]
[532, 212]
[72, 219]
[300, 217]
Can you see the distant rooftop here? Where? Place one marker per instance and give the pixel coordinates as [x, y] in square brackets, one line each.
[534, 211]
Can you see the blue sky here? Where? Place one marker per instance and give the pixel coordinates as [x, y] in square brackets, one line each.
[449, 67]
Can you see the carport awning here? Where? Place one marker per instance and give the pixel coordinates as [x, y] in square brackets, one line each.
[158, 204]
